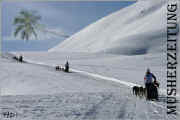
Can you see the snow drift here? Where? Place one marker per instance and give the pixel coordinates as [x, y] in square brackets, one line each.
[137, 29]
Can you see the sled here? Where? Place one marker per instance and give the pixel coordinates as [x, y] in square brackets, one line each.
[153, 92]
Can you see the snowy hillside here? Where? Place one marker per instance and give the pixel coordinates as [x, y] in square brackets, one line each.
[36, 91]
[136, 29]
[106, 59]
[23, 79]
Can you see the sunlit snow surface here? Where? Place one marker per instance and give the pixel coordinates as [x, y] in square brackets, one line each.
[37, 91]
[92, 106]
[137, 29]
[120, 46]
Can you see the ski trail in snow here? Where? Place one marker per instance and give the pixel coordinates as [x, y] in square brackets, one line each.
[129, 84]
[97, 108]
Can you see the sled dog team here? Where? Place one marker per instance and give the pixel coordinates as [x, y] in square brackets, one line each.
[19, 59]
[60, 68]
[151, 87]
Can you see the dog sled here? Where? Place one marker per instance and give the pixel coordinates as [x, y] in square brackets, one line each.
[65, 69]
[153, 94]
[150, 94]
[19, 59]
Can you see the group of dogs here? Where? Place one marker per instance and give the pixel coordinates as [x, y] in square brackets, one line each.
[59, 68]
[142, 92]
[139, 91]
[19, 59]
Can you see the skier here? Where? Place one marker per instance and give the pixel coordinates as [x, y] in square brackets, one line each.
[149, 83]
[66, 67]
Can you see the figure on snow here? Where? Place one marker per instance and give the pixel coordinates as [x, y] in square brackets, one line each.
[151, 86]
[66, 67]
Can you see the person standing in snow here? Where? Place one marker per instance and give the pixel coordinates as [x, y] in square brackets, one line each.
[66, 67]
[148, 78]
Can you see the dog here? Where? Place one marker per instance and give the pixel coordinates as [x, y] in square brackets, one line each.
[135, 90]
[145, 92]
[58, 68]
[142, 91]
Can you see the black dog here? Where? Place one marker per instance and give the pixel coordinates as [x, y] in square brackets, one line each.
[141, 91]
[135, 90]
[58, 68]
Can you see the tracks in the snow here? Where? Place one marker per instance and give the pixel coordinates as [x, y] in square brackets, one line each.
[96, 108]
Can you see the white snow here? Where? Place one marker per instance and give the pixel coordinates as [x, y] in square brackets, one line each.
[106, 59]
[37, 91]
[137, 29]
[23, 79]
[126, 70]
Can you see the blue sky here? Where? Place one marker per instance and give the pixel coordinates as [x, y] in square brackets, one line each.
[65, 17]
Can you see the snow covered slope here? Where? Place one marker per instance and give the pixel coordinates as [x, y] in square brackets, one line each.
[25, 79]
[38, 92]
[137, 29]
